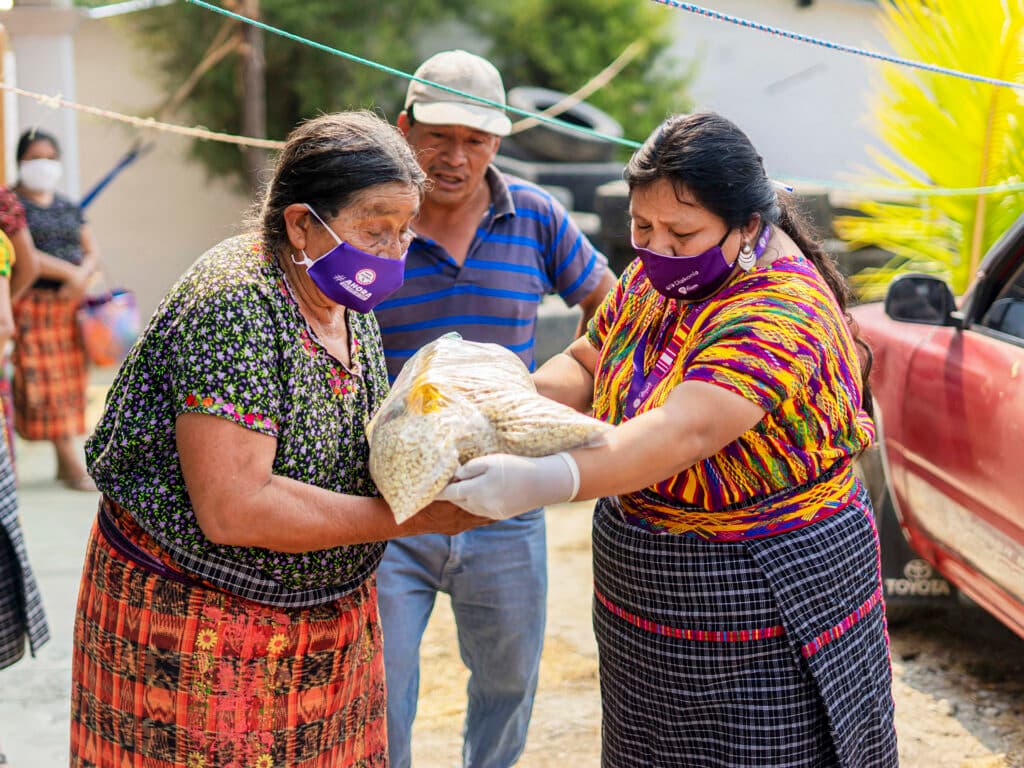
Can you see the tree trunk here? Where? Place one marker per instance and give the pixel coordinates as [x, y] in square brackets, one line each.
[254, 95]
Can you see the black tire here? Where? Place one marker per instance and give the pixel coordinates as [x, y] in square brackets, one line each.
[912, 588]
[551, 142]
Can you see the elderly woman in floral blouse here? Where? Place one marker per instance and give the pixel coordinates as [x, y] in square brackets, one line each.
[228, 612]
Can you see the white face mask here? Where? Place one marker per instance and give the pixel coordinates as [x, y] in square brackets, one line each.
[40, 175]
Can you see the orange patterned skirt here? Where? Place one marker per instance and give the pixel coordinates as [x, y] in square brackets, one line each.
[49, 368]
[168, 673]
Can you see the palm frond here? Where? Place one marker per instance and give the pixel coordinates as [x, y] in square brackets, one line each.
[940, 131]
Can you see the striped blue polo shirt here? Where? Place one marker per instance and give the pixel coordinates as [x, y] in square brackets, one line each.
[526, 246]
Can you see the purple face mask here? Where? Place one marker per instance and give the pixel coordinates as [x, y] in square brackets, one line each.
[693, 278]
[351, 277]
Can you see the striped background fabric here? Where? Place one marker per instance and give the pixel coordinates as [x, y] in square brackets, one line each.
[7, 257]
[12, 221]
[526, 246]
[776, 337]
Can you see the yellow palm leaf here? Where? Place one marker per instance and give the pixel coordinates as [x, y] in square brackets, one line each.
[941, 131]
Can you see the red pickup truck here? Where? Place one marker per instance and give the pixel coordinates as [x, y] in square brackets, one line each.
[948, 469]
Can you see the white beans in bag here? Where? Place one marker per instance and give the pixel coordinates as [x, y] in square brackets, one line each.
[455, 400]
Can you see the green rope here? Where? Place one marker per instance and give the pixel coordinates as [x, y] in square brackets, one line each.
[839, 185]
[407, 76]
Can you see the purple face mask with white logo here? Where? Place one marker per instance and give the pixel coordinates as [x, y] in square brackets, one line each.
[693, 278]
[352, 277]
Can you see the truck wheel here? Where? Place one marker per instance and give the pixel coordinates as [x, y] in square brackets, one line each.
[912, 588]
[909, 583]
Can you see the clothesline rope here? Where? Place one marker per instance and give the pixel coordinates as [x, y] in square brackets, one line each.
[399, 73]
[834, 46]
[149, 123]
[199, 132]
[876, 190]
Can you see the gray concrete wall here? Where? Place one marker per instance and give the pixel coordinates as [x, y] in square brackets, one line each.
[556, 327]
[807, 109]
[163, 211]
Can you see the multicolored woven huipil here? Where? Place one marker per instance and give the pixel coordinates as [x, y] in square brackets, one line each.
[764, 338]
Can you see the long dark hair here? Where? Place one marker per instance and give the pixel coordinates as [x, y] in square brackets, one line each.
[327, 161]
[714, 160]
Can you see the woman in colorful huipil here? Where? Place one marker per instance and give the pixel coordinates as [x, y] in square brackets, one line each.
[228, 609]
[738, 604]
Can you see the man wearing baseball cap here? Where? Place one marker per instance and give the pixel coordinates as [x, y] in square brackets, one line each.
[487, 248]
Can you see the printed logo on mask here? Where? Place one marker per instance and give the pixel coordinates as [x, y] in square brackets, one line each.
[353, 287]
[366, 276]
[680, 284]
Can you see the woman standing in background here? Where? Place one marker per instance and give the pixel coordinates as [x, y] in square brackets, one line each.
[22, 266]
[21, 610]
[49, 358]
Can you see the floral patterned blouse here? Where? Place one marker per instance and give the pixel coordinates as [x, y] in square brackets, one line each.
[12, 213]
[228, 340]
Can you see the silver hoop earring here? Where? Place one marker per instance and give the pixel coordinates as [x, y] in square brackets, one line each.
[746, 259]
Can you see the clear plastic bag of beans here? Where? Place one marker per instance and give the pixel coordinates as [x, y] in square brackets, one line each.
[455, 400]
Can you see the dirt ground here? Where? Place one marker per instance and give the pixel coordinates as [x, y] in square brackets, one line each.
[959, 678]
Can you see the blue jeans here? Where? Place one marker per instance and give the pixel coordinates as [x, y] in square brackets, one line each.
[497, 579]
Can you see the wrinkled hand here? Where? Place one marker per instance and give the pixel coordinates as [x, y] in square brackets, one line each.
[500, 486]
[442, 517]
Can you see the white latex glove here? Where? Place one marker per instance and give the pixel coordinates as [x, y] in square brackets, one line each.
[500, 486]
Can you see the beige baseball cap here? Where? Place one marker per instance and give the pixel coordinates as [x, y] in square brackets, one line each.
[467, 73]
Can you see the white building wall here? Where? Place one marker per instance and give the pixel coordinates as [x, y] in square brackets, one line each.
[45, 64]
[161, 212]
[806, 108]
[41, 38]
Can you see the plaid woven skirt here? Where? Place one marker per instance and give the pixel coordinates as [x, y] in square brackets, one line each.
[764, 652]
[170, 674]
[49, 368]
[21, 608]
